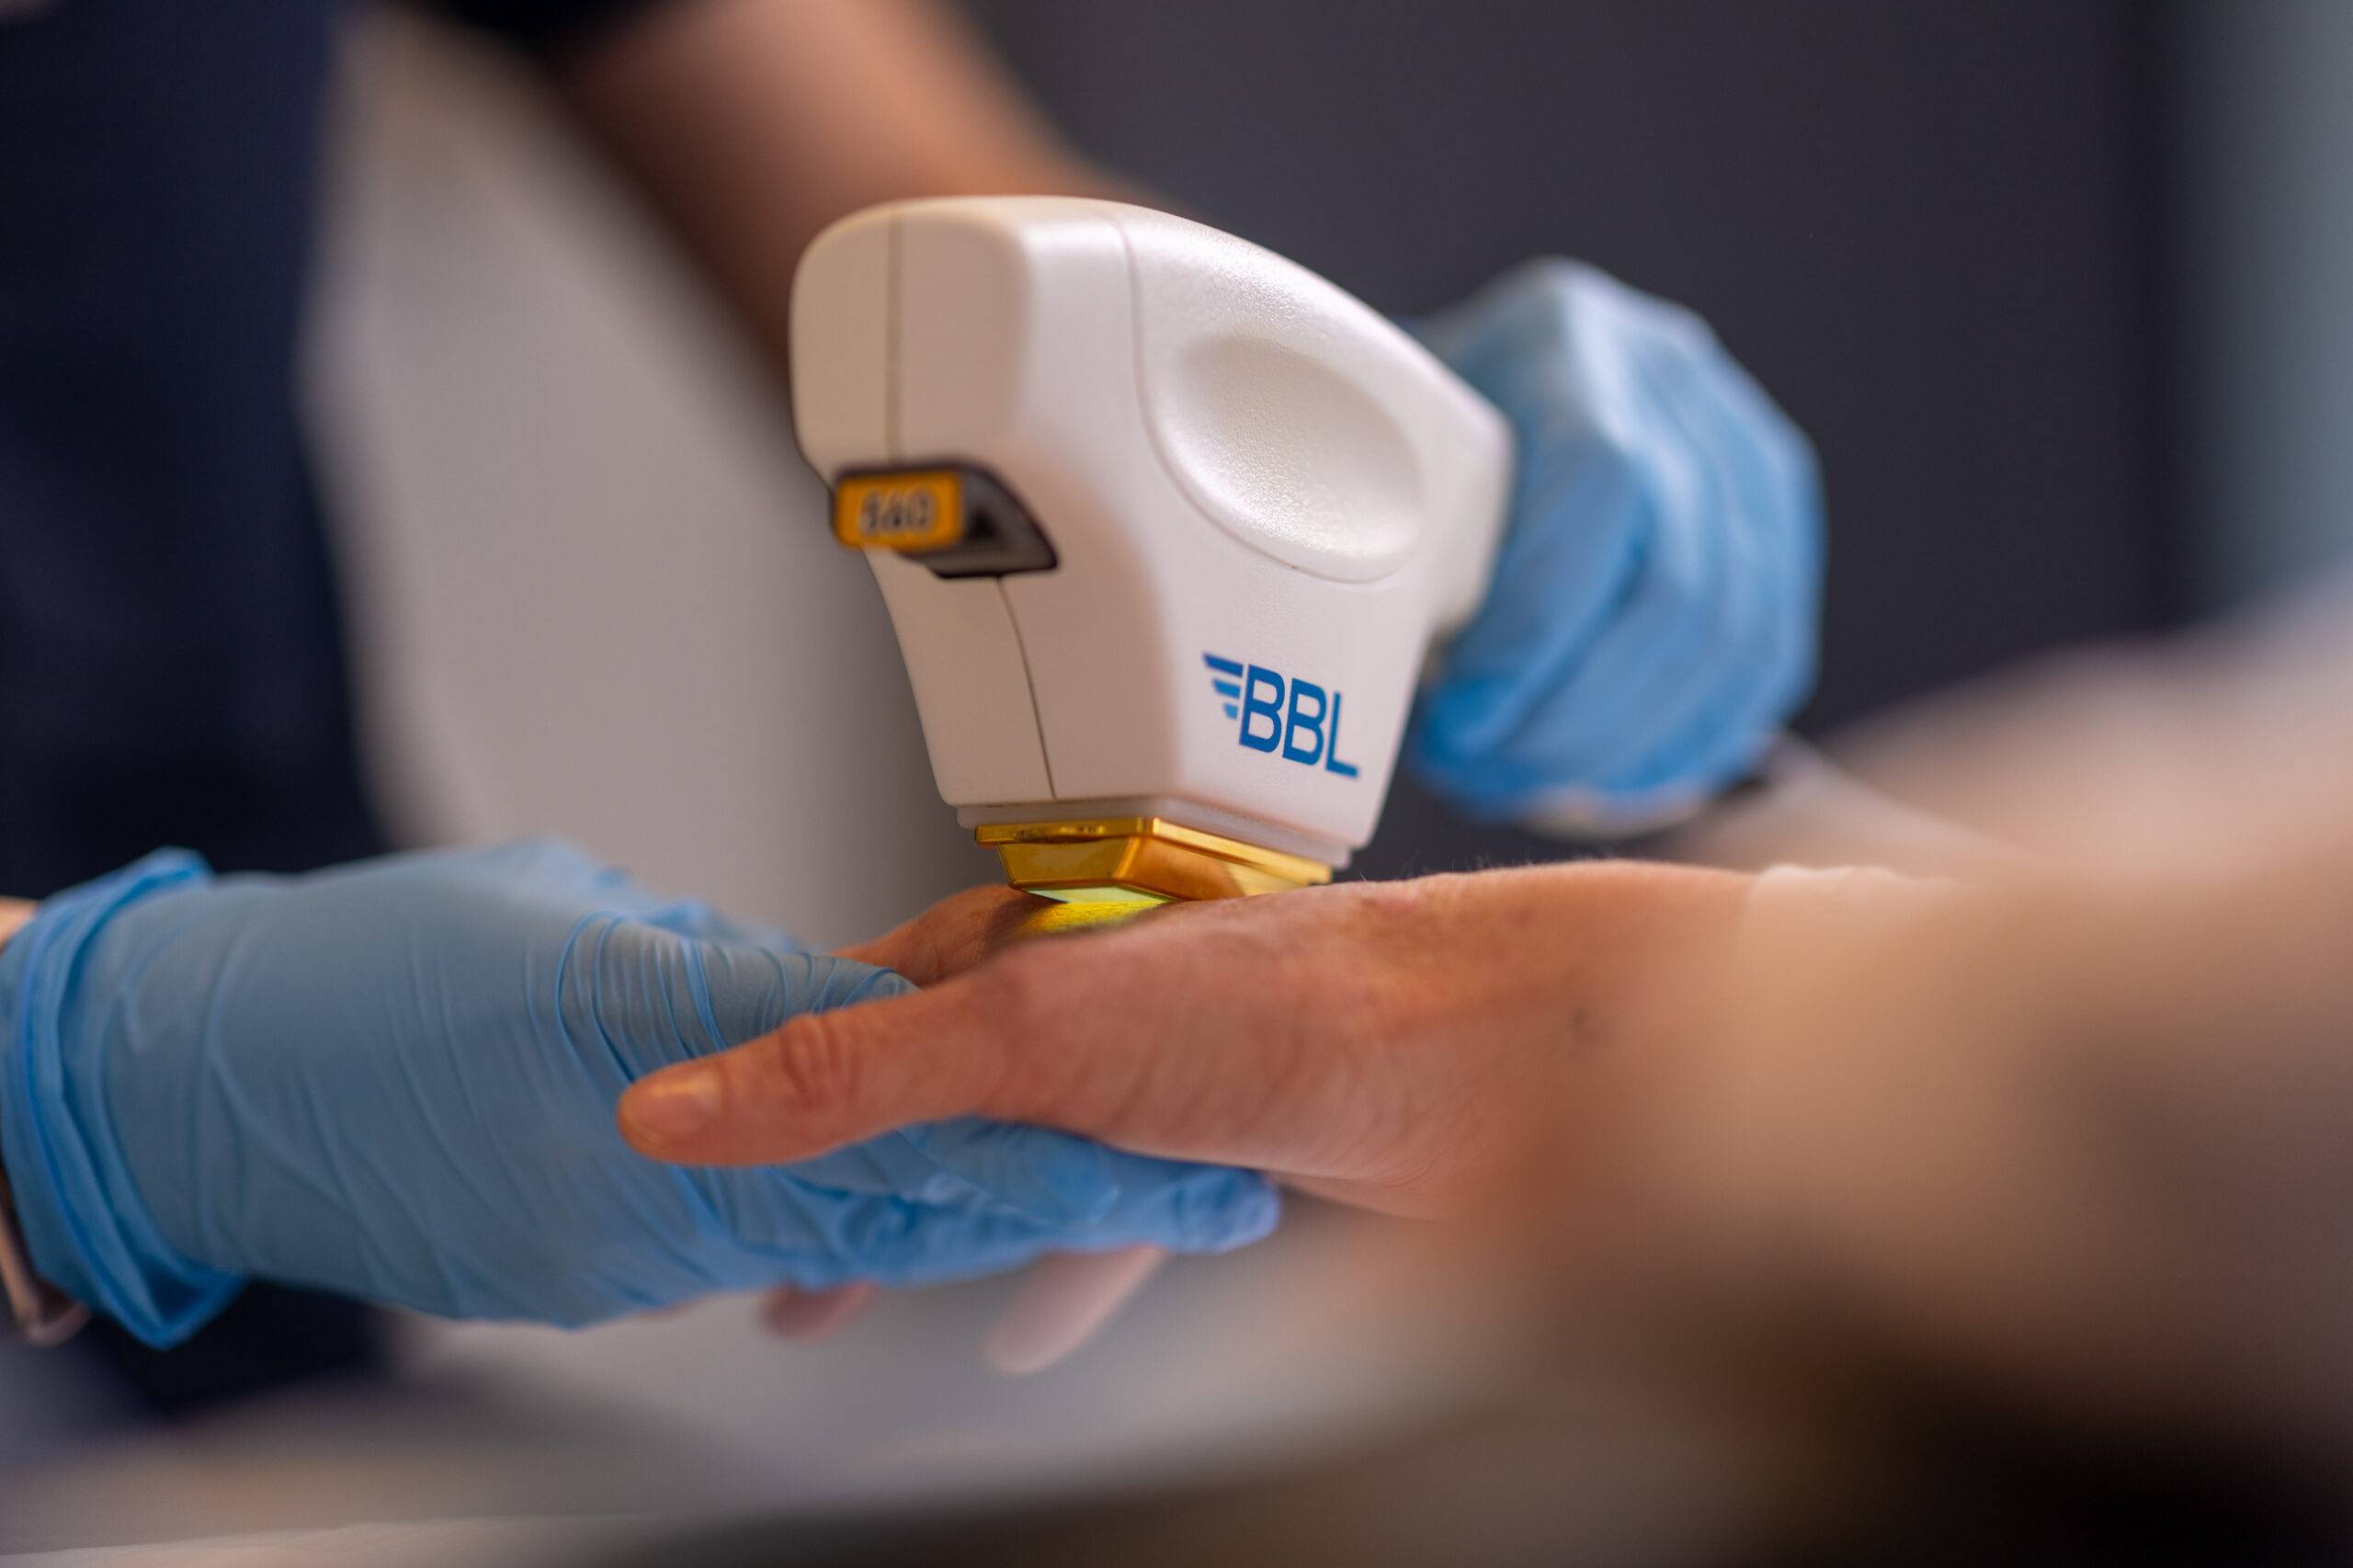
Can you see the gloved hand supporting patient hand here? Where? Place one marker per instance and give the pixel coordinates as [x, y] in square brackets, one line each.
[1651, 620]
[397, 1081]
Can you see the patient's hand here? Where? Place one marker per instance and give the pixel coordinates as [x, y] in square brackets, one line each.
[1396, 1045]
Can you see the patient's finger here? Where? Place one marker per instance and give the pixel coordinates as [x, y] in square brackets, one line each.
[824, 1080]
[1120, 1036]
[1065, 1302]
[959, 932]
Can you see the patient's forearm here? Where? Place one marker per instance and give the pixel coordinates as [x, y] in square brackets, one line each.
[2084, 1135]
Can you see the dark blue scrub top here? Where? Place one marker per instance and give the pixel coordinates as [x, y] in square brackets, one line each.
[172, 667]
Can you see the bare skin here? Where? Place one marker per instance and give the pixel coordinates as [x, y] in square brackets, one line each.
[1400, 1046]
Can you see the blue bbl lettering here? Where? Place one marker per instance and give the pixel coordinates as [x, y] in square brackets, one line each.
[1296, 718]
[1255, 707]
[1311, 723]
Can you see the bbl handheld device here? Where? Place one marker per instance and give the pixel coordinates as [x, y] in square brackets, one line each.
[1166, 525]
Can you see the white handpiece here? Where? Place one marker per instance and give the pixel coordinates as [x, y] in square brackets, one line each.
[1166, 523]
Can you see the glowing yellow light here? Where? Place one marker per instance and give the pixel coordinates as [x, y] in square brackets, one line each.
[1115, 896]
[1061, 919]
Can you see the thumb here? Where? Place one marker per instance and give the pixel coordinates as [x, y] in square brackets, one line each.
[824, 1079]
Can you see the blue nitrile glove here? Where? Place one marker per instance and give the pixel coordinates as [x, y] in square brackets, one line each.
[397, 1080]
[1651, 620]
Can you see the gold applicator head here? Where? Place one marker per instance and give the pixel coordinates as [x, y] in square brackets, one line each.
[1140, 861]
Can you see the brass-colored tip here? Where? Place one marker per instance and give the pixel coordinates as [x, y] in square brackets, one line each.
[1141, 860]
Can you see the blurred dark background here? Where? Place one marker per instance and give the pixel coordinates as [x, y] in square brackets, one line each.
[1927, 229]
[1931, 231]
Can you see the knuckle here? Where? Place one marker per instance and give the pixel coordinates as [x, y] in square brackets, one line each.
[1685, 330]
[958, 933]
[1559, 274]
[811, 1068]
[1014, 1002]
[1615, 465]
[1018, 988]
[1005, 915]
[978, 923]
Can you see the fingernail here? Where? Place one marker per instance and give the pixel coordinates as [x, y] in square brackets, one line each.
[672, 1107]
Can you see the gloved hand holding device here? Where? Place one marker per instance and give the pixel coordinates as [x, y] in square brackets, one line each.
[1650, 622]
[396, 1081]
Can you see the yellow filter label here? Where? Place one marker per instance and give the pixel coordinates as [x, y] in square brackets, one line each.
[914, 511]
